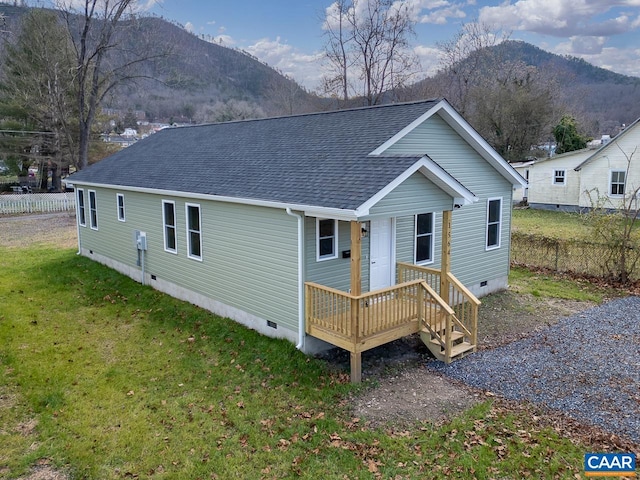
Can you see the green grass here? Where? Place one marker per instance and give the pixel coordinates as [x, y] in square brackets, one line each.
[563, 225]
[107, 379]
[522, 280]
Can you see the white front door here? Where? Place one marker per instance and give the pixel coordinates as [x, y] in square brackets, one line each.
[380, 257]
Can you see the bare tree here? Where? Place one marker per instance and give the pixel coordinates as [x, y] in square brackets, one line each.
[94, 27]
[616, 223]
[37, 90]
[466, 58]
[338, 39]
[368, 48]
[514, 108]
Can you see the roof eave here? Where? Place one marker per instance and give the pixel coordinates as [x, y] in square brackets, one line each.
[309, 210]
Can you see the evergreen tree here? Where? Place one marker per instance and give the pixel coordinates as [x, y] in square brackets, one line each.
[567, 137]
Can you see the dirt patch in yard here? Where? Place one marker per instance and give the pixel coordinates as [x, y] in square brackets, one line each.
[54, 229]
[402, 390]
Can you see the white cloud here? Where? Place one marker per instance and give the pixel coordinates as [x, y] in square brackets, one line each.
[304, 68]
[226, 40]
[423, 11]
[189, 27]
[429, 59]
[587, 45]
[620, 60]
[442, 16]
[562, 18]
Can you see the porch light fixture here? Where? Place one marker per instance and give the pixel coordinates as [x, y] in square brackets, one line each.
[364, 229]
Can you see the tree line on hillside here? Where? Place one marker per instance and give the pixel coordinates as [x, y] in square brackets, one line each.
[62, 66]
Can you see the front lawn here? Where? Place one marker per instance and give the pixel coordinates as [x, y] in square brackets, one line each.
[103, 378]
[552, 224]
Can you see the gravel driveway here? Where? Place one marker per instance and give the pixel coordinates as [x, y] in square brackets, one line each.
[587, 366]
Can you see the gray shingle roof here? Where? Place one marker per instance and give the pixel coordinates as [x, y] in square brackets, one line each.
[315, 159]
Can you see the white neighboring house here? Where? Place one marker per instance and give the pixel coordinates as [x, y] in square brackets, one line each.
[576, 181]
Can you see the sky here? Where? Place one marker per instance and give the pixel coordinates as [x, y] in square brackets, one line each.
[288, 34]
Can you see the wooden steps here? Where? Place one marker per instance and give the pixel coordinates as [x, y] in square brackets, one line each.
[459, 346]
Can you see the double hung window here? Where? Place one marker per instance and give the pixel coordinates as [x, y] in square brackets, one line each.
[169, 222]
[424, 238]
[494, 222]
[194, 231]
[327, 238]
[93, 210]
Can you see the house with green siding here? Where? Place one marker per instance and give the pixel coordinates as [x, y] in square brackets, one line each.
[339, 227]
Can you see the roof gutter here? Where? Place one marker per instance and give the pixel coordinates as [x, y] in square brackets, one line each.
[309, 210]
[301, 325]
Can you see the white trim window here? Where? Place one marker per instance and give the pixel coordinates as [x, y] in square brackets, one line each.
[559, 177]
[326, 239]
[617, 180]
[423, 252]
[194, 231]
[82, 214]
[169, 226]
[494, 223]
[93, 210]
[120, 203]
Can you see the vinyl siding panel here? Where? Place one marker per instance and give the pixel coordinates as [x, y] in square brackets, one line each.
[417, 194]
[541, 175]
[249, 254]
[334, 273]
[470, 261]
[597, 173]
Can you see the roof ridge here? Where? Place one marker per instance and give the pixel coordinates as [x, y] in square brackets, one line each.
[311, 114]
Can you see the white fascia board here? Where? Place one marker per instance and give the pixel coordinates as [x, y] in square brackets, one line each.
[432, 171]
[450, 185]
[467, 132]
[309, 210]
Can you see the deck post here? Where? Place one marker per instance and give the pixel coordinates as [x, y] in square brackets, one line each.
[356, 367]
[356, 258]
[356, 289]
[445, 261]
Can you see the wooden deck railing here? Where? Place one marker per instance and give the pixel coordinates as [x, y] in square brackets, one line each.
[360, 322]
[464, 303]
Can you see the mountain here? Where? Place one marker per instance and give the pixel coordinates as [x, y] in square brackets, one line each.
[196, 73]
[604, 99]
[600, 99]
[194, 77]
[190, 74]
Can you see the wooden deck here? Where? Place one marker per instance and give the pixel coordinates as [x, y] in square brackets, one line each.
[360, 322]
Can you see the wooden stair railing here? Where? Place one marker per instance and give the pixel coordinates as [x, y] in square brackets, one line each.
[448, 326]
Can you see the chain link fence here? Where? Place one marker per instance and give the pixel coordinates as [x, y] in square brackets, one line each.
[575, 256]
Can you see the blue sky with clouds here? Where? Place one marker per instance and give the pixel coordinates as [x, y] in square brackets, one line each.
[287, 34]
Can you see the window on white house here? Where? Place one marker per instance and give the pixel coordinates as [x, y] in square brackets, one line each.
[120, 198]
[494, 221]
[327, 239]
[559, 177]
[93, 210]
[617, 182]
[169, 226]
[194, 231]
[424, 238]
[82, 217]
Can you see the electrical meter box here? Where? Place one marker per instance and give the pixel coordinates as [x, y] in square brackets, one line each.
[140, 240]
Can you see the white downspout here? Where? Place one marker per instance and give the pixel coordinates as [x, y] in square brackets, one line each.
[75, 192]
[300, 344]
